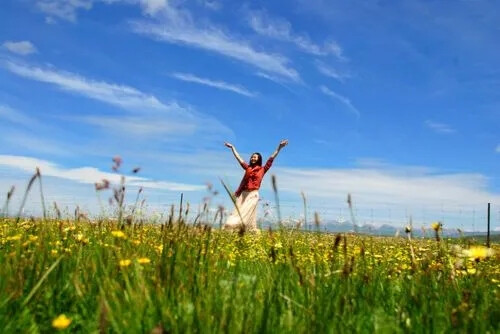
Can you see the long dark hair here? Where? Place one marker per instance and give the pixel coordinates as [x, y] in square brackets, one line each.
[259, 160]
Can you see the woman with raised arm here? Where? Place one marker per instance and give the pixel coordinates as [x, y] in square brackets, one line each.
[247, 194]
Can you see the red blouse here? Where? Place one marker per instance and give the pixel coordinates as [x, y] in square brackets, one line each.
[253, 176]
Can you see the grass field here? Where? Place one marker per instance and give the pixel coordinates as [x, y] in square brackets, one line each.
[97, 277]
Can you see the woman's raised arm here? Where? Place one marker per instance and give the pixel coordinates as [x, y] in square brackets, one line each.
[235, 153]
[282, 144]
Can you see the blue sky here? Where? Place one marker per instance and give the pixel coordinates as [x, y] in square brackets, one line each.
[397, 103]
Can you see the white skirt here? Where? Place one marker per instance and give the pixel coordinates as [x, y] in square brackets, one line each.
[247, 205]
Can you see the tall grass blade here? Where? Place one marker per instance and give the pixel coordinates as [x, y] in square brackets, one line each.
[351, 211]
[5, 209]
[277, 199]
[44, 277]
[23, 202]
[305, 209]
[233, 199]
[42, 198]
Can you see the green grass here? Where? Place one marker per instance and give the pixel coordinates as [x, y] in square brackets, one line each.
[205, 280]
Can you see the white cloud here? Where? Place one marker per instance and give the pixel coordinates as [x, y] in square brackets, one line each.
[118, 95]
[331, 72]
[149, 7]
[141, 126]
[63, 9]
[373, 187]
[88, 175]
[344, 100]
[213, 83]
[498, 148]
[439, 127]
[13, 116]
[152, 7]
[212, 5]
[33, 143]
[67, 9]
[157, 118]
[281, 29]
[178, 27]
[22, 47]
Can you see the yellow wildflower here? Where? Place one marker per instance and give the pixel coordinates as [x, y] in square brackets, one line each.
[143, 260]
[436, 226]
[471, 271]
[478, 253]
[125, 263]
[119, 234]
[61, 322]
[14, 237]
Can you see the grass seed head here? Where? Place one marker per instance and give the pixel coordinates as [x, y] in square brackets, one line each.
[11, 191]
[316, 219]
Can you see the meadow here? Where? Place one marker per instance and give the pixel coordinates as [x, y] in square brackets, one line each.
[175, 277]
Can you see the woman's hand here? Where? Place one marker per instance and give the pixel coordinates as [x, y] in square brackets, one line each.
[283, 143]
[228, 145]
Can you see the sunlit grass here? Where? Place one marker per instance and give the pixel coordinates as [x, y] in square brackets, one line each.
[89, 277]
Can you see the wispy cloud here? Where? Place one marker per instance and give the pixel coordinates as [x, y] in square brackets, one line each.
[13, 116]
[281, 29]
[174, 25]
[214, 83]
[150, 7]
[118, 95]
[22, 48]
[498, 148]
[141, 126]
[88, 175]
[178, 27]
[212, 5]
[34, 142]
[157, 118]
[67, 10]
[342, 99]
[63, 9]
[439, 127]
[331, 72]
[375, 187]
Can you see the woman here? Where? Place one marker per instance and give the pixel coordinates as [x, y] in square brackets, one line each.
[247, 194]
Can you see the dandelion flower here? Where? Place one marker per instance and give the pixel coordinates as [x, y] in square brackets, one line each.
[61, 322]
[119, 234]
[143, 260]
[478, 253]
[437, 226]
[125, 263]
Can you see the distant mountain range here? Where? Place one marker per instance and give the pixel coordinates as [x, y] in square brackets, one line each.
[389, 230]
